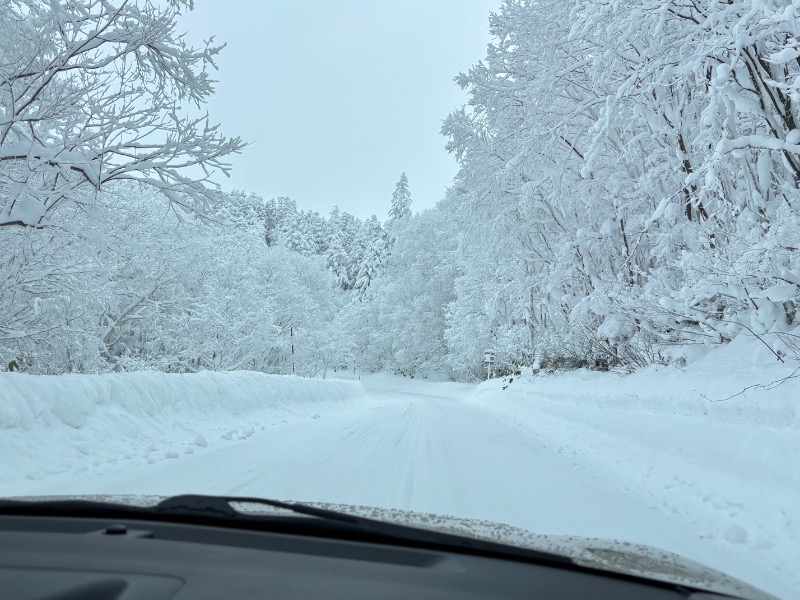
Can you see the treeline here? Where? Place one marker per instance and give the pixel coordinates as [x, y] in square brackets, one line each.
[133, 285]
[115, 251]
[628, 190]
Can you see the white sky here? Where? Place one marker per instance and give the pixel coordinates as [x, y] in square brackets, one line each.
[340, 96]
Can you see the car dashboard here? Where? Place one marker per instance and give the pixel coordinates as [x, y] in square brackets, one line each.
[49, 557]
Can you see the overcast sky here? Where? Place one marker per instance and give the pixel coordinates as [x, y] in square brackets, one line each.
[340, 96]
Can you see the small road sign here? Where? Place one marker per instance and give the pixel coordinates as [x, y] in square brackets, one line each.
[489, 358]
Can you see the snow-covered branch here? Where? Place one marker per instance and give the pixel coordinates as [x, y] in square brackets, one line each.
[94, 91]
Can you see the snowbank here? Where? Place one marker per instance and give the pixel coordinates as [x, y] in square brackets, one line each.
[736, 383]
[727, 468]
[71, 423]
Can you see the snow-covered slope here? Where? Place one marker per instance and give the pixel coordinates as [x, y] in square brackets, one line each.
[52, 424]
[679, 442]
[740, 382]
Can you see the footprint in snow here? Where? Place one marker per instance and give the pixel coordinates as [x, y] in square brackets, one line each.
[735, 534]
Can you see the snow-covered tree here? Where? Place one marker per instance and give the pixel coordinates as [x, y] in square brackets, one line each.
[143, 289]
[401, 200]
[337, 262]
[372, 264]
[93, 91]
[404, 315]
[625, 170]
[629, 177]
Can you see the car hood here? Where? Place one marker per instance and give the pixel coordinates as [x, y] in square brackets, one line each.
[622, 557]
[617, 556]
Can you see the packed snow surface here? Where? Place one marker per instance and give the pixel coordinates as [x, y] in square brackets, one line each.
[634, 458]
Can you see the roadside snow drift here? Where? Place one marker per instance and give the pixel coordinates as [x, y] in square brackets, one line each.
[682, 441]
[738, 383]
[73, 423]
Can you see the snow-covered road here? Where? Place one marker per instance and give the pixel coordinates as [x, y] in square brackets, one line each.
[423, 448]
[402, 450]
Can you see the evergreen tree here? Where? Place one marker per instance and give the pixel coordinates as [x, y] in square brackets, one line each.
[337, 261]
[401, 200]
[371, 265]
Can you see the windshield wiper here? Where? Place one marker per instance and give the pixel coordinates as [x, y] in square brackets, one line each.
[219, 511]
[222, 506]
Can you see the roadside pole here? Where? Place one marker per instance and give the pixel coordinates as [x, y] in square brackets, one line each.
[291, 337]
[489, 358]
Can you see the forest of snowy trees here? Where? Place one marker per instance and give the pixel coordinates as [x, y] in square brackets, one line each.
[627, 188]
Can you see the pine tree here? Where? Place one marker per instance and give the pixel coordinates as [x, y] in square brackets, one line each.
[372, 264]
[401, 200]
[337, 260]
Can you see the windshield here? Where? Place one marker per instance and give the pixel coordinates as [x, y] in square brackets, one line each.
[527, 262]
